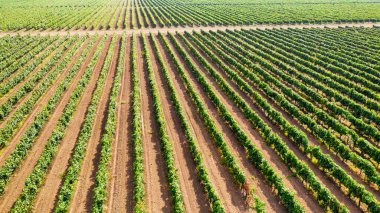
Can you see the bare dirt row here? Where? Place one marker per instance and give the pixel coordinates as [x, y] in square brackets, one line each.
[121, 185]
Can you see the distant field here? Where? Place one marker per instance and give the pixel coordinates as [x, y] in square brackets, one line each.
[192, 106]
[282, 120]
[126, 14]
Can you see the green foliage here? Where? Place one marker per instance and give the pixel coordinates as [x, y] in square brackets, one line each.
[101, 14]
[102, 175]
[13, 122]
[254, 154]
[75, 162]
[165, 144]
[292, 132]
[214, 200]
[138, 169]
[29, 192]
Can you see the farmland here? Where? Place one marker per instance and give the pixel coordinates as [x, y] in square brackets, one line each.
[278, 120]
[136, 14]
[189, 106]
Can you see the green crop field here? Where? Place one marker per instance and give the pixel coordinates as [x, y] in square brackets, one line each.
[189, 106]
[126, 14]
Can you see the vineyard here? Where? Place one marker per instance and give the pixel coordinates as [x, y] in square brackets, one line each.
[274, 120]
[136, 14]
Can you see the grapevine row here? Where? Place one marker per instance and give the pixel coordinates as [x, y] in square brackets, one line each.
[35, 180]
[165, 143]
[15, 159]
[138, 168]
[214, 200]
[216, 135]
[324, 162]
[71, 174]
[102, 175]
[25, 108]
[363, 145]
[256, 157]
[304, 173]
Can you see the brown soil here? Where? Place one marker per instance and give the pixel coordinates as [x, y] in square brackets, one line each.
[180, 29]
[121, 182]
[82, 199]
[26, 97]
[31, 60]
[38, 68]
[16, 183]
[41, 103]
[48, 193]
[219, 176]
[256, 138]
[156, 183]
[290, 182]
[314, 141]
[120, 196]
[193, 196]
[238, 151]
[328, 183]
[332, 186]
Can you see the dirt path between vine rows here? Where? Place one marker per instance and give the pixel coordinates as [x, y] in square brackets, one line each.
[156, 182]
[261, 189]
[82, 199]
[26, 96]
[13, 90]
[48, 193]
[192, 192]
[39, 105]
[121, 182]
[165, 30]
[16, 183]
[220, 177]
[328, 183]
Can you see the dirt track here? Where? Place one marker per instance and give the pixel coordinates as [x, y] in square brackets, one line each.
[120, 198]
[165, 30]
